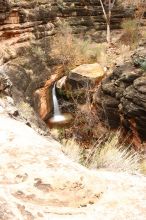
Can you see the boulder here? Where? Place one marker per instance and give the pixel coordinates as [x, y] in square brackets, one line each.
[85, 75]
[78, 86]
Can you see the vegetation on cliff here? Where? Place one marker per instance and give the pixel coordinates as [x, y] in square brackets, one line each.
[93, 55]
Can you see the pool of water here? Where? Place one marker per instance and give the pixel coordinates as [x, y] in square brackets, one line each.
[61, 120]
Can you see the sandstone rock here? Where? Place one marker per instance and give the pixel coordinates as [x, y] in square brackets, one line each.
[22, 22]
[78, 86]
[85, 75]
[61, 82]
[83, 16]
[39, 182]
[43, 102]
[139, 56]
[13, 102]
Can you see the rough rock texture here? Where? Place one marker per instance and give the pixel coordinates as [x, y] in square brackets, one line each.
[4, 9]
[39, 182]
[43, 98]
[85, 75]
[19, 109]
[24, 21]
[27, 24]
[28, 16]
[123, 96]
[78, 86]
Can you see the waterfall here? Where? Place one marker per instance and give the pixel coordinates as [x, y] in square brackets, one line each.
[55, 102]
[58, 117]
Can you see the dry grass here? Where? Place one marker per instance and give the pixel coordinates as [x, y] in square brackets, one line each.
[72, 149]
[55, 133]
[109, 155]
[72, 51]
[143, 166]
[114, 156]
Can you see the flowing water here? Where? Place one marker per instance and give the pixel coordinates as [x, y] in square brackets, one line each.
[58, 116]
[55, 102]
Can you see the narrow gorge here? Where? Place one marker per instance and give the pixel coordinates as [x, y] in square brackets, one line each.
[72, 110]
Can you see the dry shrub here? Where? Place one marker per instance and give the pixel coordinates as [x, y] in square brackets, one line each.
[131, 33]
[139, 7]
[113, 156]
[86, 127]
[72, 149]
[72, 51]
[37, 51]
[143, 166]
[54, 133]
[107, 154]
[89, 126]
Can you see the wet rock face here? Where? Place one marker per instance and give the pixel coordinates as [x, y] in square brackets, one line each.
[123, 98]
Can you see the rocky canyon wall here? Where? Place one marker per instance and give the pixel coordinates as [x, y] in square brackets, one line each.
[122, 97]
[23, 20]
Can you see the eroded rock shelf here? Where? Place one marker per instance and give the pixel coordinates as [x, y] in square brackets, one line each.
[39, 182]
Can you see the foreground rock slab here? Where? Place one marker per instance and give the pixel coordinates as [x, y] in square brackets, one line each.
[37, 181]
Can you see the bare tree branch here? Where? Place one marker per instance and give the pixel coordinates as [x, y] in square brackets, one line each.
[112, 5]
[104, 12]
[107, 11]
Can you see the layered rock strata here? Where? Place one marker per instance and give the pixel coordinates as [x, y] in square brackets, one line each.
[123, 97]
[25, 23]
[24, 19]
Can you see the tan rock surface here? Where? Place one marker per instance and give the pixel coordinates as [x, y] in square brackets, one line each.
[84, 76]
[37, 181]
[92, 71]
